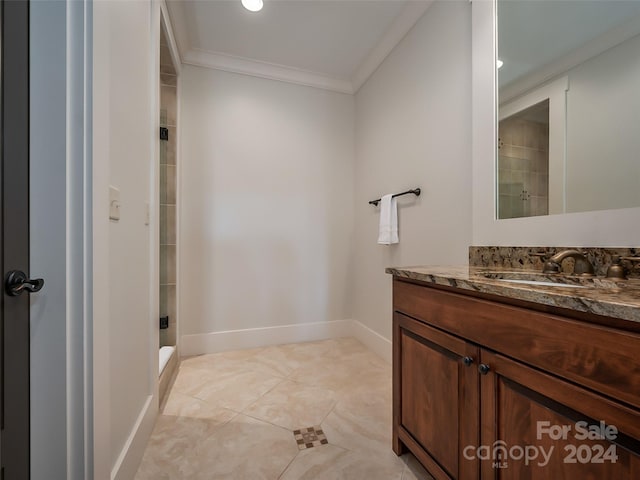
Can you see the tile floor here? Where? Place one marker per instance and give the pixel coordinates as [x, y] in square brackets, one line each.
[233, 415]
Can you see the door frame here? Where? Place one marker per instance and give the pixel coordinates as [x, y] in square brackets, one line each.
[61, 240]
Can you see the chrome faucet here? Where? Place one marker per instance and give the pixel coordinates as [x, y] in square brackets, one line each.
[582, 265]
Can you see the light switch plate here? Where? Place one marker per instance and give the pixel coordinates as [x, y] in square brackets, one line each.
[114, 204]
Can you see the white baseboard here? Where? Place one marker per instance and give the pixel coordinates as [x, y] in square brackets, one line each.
[128, 461]
[214, 342]
[372, 340]
[199, 344]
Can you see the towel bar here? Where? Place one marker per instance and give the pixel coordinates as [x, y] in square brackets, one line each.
[415, 191]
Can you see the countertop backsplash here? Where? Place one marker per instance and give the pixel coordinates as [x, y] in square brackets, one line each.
[525, 258]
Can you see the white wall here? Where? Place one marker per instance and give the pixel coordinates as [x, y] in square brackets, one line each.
[267, 203]
[125, 122]
[413, 129]
[599, 228]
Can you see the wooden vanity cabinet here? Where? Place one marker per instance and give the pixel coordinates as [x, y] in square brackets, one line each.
[463, 379]
[437, 395]
[515, 398]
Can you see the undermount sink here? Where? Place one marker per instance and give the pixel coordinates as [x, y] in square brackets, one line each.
[541, 283]
[551, 280]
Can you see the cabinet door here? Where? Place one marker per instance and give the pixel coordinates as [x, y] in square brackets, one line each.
[435, 397]
[533, 427]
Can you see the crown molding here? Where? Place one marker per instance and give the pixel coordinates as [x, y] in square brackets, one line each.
[165, 18]
[176, 18]
[272, 71]
[406, 19]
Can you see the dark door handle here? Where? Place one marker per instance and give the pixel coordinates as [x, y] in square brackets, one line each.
[467, 360]
[17, 282]
[483, 368]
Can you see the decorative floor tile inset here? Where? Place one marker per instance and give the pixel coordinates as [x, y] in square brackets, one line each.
[310, 437]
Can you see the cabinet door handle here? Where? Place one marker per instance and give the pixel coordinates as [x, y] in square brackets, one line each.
[467, 360]
[483, 368]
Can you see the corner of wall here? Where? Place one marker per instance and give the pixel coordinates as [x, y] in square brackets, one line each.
[378, 344]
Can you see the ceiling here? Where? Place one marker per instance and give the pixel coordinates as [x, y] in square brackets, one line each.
[332, 44]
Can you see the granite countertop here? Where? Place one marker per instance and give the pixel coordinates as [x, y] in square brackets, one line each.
[597, 295]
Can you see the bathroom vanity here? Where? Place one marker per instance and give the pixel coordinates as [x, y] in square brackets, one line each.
[513, 380]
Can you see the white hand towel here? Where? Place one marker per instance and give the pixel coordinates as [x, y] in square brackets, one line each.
[388, 232]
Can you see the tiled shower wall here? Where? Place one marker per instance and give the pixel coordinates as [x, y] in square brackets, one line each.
[523, 168]
[168, 200]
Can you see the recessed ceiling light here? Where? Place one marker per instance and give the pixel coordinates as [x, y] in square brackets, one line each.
[252, 5]
[499, 62]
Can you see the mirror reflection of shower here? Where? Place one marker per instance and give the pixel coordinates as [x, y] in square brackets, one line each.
[523, 163]
[585, 57]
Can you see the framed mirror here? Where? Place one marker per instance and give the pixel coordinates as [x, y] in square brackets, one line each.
[568, 106]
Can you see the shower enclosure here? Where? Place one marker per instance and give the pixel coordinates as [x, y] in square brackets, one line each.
[168, 356]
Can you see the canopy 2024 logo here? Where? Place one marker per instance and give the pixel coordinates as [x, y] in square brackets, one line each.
[499, 453]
